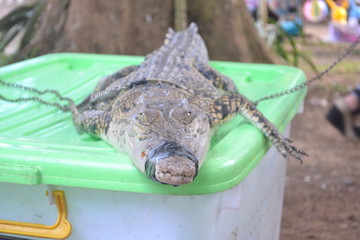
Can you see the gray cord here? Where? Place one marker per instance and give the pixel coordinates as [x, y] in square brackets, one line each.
[308, 82]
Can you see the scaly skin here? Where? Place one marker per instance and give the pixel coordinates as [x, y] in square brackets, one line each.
[162, 112]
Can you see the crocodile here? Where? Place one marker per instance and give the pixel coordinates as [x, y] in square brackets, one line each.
[163, 112]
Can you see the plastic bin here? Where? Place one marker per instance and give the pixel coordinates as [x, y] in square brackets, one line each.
[237, 194]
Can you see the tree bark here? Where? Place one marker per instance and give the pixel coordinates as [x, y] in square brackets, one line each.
[229, 32]
[180, 15]
[110, 27]
[138, 27]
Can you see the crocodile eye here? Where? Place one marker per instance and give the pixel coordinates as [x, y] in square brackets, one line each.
[183, 116]
[147, 117]
[142, 118]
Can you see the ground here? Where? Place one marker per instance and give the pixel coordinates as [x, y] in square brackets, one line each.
[322, 196]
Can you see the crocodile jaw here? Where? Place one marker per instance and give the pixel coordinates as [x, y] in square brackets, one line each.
[171, 163]
[175, 171]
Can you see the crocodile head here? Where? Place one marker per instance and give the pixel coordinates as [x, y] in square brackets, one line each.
[168, 141]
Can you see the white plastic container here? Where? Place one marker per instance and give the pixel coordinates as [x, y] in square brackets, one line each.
[250, 210]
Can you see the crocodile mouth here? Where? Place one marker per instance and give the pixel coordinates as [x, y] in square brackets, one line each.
[171, 163]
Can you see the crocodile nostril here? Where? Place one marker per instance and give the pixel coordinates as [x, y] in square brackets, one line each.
[171, 163]
[175, 170]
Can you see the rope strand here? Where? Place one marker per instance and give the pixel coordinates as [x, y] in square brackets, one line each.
[65, 108]
[308, 82]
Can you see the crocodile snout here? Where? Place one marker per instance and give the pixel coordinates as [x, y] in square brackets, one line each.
[171, 163]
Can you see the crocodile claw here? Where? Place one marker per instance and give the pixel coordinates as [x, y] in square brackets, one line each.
[287, 150]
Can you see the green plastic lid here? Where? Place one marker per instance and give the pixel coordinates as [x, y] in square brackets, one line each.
[39, 144]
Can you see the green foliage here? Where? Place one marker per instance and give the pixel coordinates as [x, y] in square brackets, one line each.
[19, 23]
[285, 45]
[287, 48]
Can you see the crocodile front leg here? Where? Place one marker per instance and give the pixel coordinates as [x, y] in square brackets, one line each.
[92, 122]
[229, 105]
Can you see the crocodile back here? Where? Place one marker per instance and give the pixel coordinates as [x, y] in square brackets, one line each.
[180, 51]
[175, 62]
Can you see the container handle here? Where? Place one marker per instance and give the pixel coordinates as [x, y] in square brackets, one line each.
[60, 230]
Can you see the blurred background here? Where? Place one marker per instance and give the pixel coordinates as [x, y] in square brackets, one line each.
[322, 196]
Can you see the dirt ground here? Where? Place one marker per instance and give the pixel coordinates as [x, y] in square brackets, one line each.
[322, 196]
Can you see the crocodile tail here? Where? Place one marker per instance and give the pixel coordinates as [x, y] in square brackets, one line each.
[186, 43]
[193, 28]
[169, 35]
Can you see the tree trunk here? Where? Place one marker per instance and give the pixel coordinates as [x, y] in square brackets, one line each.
[138, 27]
[229, 32]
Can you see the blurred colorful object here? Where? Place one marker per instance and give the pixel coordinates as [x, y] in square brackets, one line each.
[284, 13]
[338, 13]
[251, 5]
[315, 11]
[354, 13]
[343, 33]
[291, 27]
